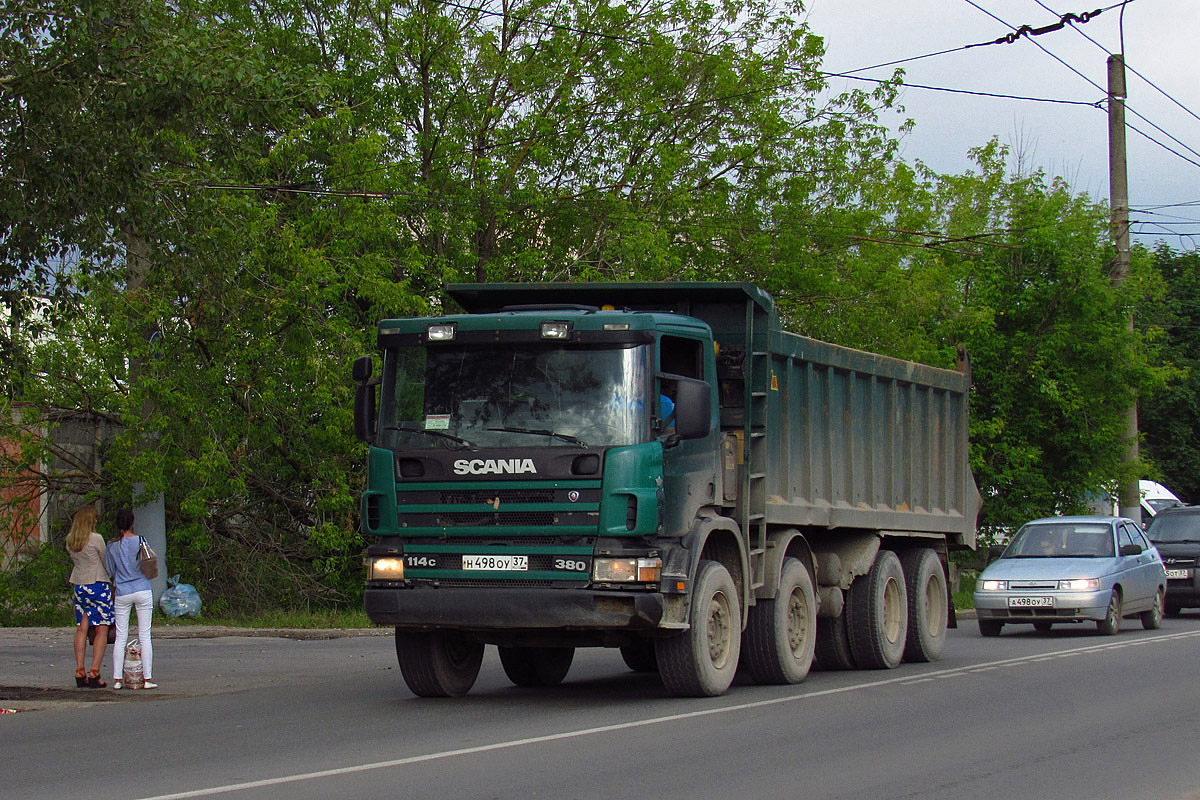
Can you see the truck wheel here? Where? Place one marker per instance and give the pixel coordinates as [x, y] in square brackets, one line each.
[928, 605]
[639, 656]
[438, 663]
[833, 644]
[702, 661]
[536, 666]
[1112, 619]
[877, 614]
[781, 633]
[1152, 619]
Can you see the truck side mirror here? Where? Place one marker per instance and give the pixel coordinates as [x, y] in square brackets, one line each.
[362, 369]
[364, 400]
[693, 408]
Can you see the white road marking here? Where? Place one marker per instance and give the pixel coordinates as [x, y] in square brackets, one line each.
[556, 737]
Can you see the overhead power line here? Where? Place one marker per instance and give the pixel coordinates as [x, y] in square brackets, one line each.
[1128, 108]
[999, 95]
[1025, 31]
[1149, 82]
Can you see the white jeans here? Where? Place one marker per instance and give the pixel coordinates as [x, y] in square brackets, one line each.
[144, 603]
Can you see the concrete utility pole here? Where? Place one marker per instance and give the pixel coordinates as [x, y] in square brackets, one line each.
[1118, 192]
[150, 518]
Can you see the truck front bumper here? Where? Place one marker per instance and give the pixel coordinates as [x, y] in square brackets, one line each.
[484, 609]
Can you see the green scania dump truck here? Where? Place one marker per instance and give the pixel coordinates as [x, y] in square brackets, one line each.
[659, 468]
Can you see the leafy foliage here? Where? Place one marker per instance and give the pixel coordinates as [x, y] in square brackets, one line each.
[206, 206]
[1170, 416]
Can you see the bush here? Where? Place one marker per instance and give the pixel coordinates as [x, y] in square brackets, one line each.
[38, 593]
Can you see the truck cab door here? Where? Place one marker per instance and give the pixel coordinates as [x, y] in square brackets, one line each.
[684, 425]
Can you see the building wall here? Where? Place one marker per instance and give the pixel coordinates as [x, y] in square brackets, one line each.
[37, 500]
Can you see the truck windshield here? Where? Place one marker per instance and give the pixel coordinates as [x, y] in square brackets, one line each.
[460, 397]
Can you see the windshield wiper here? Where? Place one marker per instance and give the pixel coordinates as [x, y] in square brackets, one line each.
[429, 432]
[566, 437]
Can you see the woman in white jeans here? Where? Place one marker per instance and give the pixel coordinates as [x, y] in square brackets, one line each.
[132, 590]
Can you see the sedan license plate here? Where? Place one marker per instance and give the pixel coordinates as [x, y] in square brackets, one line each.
[1178, 574]
[496, 563]
[1031, 602]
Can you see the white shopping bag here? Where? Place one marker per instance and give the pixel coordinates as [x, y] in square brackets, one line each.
[132, 671]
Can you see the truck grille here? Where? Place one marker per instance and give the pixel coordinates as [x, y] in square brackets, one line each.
[455, 519]
[475, 496]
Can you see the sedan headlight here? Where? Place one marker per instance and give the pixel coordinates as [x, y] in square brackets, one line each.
[385, 569]
[1077, 584]
[627, 570]
[993, 586]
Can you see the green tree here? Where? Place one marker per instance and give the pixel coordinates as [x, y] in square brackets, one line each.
[1169, 417]
[236, 192]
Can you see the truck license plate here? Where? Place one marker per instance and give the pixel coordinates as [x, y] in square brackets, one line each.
[496, 563]
[1178, 574]
[1031, 602]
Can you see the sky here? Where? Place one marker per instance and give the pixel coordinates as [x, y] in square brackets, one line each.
[1161, 43]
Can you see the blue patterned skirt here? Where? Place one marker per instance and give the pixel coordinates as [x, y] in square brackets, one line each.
[94, 601]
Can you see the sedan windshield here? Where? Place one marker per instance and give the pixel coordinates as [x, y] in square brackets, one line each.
[470, 396]
[1062, 540]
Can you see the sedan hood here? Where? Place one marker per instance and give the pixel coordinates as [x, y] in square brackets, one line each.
[1023, 569]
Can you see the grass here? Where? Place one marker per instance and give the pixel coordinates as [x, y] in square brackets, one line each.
[282, 618]
[966, 588]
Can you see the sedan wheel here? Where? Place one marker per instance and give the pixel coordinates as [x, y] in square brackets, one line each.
[990, 627]
[1152, 619]
[1112, 620]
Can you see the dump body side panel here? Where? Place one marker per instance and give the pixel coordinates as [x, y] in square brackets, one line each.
[858, 440]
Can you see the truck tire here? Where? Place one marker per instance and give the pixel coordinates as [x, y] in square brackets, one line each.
[639, 656]
[536, 666]
[877, 614]
[781, 633]
[438, 663]
[702, 661]
[833, 644]
[928, 605]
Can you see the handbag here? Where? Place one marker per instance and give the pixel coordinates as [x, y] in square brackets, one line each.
[147, 559]
[112, 634]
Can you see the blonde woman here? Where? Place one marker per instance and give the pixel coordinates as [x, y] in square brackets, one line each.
[93, 595]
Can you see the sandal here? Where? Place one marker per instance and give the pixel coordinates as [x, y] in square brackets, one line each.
[94, 681]
[118, 684]
[80, 678]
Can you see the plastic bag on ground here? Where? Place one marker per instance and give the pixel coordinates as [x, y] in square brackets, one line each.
[131, 673]
[179, 599]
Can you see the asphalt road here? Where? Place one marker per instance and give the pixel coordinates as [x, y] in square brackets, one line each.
[1065, 714]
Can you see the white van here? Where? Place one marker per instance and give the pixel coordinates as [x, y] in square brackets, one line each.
[1155, 497]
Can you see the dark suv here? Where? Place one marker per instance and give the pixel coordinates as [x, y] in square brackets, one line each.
[1176, 534]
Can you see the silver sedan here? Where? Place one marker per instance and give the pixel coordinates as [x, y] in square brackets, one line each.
[1072, 569]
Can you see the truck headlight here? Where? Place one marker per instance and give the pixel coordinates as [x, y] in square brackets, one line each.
[385, 569]
[627, 570]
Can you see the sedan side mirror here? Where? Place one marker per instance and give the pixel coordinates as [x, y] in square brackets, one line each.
[1131, 550]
